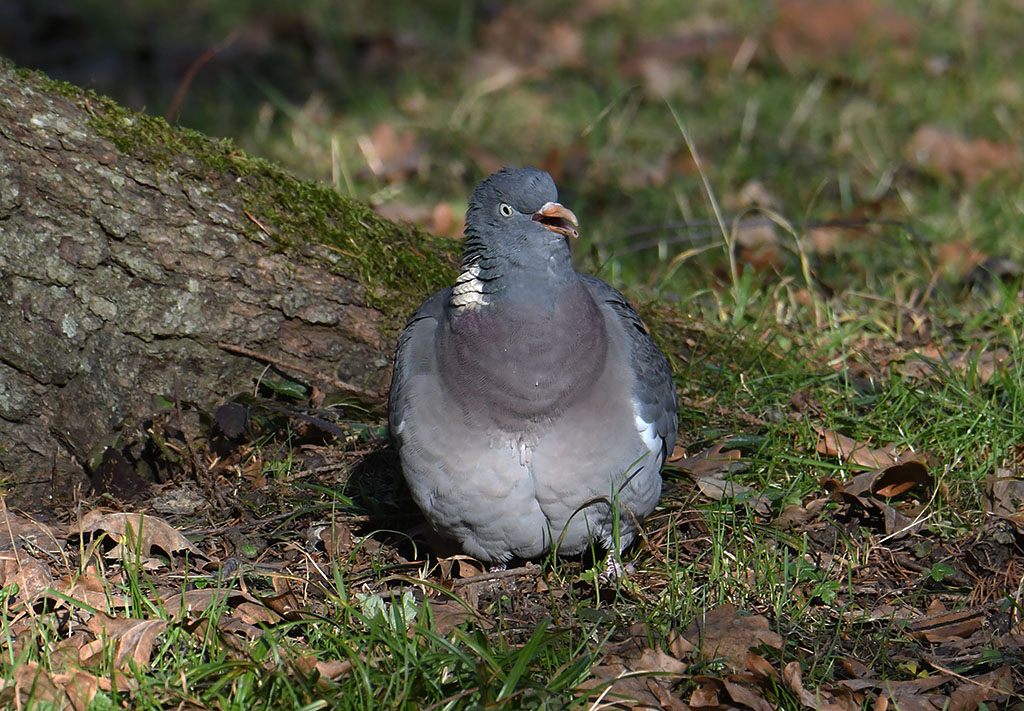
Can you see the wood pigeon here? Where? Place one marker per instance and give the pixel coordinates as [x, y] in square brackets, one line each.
[529, 407]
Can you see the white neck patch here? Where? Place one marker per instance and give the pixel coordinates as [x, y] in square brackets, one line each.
[469, 290]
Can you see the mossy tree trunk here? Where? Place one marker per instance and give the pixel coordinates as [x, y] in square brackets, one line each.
[140, 262]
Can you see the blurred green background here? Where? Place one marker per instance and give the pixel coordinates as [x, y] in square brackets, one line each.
[819, 123]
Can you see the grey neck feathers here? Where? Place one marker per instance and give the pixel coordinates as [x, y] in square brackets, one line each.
[478, 281]
[486, 278]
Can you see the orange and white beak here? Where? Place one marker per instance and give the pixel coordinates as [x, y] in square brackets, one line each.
[558, 218]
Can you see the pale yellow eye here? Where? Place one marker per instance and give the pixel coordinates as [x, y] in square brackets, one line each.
[505, 209]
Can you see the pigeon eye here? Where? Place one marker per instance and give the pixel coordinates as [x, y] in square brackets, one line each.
[505, 209]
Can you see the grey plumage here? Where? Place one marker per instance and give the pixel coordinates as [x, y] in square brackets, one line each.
[527, 398]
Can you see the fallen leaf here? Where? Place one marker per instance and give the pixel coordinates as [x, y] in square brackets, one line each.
[660, 64]
[822, 699]
[950, 155]
[925, 362]
[811, 31]
[29, 685]
[146, 532]
[860, 492]
[707, 692]
[712, 462]
[615, 679]
[718, 489]
[948, 627]
[196, 602]
[333, 669]
[92, 591]
[17, 530]
[448, 614]
[390, 155]
[80, 687]
[1005, 498]
[825, 240]
[135, 638]
[901, 478]
[975, 691]
[537, 45]
[959, 257]
[759, 666]
[633, 670]
[724, 632]
[29, 574]
[838, 445]
[898, 689]
[655, 660]
[746, 695]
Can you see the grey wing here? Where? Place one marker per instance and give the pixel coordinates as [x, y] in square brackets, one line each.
[654, 391]
[421, 325]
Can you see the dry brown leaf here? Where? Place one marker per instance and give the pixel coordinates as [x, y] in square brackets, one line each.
[285, 604]
[983, 365]
[535, 45]
[860, 490]
[855, 668]
[953, 156]
[825, 240]
[448, 614]
[660, 64]
[148, 532]
[617, 679]
[798, 515]
[333, 668]
[392, 156]
[444, 222]
[636, 671]
[80, 687]
[901, 478]
[336, 537]
[414, 214]
[196, 602]
[231, 625]
[815, 30]
[30, 685]
[135, 638]
[903, 690]
[761, 667]
[748, 695]
[717, 489]
[821, 699]
[30, 575]
[1005, 498]
[678, 646]
[973, 692]
[87, 590]
[706, 693]
[655, 660]
[254, 613]
[949, 627]
[466, 567]
[959, 256]
[16, 530]
[724, 632]
[712, 462]
[834, 444]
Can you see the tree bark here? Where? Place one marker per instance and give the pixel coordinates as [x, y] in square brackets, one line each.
[140, 261]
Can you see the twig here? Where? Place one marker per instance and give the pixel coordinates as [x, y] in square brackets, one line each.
[496, 575]
[190, 73]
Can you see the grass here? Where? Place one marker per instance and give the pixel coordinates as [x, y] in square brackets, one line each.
[772, 334]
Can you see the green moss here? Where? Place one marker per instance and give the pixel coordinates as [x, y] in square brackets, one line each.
[397, 265]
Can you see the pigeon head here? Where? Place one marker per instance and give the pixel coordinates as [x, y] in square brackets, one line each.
[515, 225]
